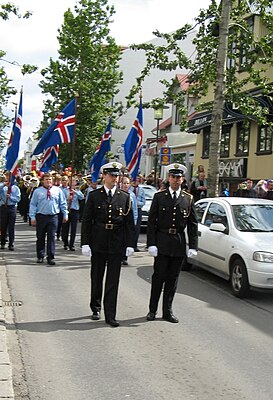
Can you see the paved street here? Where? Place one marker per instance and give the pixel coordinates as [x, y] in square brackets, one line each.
[222, 347]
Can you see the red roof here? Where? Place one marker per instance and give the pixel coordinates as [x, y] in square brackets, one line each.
[164, 124]
[183, 80]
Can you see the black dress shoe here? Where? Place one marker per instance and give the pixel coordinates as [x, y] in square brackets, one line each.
[51, 262]
[151, 316]
[124, 262]
[72, 248]
[136, 250]
[40, 260]
[65, 247]
[112, 322]
[2, 247]
[11, 247]
[170, 318]
[95, 316]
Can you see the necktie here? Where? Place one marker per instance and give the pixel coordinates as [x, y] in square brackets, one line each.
[110, 195]
[174, 196]
[48, 193]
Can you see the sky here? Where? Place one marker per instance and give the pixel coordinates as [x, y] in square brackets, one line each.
[34, 41]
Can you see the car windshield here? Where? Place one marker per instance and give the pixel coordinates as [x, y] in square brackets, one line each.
[253, 217]
[149, 192]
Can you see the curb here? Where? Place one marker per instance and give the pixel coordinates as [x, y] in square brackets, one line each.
[6, 386]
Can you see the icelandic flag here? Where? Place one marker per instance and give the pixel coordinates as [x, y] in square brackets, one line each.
[14, 141]
[50, 157]
[60, 131]
[98, 158]
[133, 144]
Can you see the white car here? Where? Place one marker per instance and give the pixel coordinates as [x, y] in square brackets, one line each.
[235, 241]
[149, 194]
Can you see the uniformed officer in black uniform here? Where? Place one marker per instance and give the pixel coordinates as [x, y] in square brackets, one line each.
[107, 230]
[170, 213]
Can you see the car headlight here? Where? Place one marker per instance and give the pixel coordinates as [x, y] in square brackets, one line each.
[263, 256]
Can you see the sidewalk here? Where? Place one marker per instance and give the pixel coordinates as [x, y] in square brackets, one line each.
[6, 388]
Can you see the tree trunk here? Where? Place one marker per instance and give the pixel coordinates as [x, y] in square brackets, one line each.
[218, 103]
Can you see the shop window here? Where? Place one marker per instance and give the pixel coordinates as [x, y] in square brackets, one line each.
[225, 141]
[242, 143]
[178, 115]
[206, 142]
[264, 140]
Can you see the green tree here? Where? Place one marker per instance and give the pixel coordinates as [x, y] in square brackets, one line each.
[233, 40]
[87, 65]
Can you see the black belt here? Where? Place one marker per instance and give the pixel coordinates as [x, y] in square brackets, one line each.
[6, 205]
[170, 231]
[108, 226]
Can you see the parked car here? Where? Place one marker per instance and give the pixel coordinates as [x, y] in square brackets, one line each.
[149, 194]
[235, 241]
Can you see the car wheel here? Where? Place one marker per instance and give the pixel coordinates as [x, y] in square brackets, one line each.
[239, 279]
[185, 266]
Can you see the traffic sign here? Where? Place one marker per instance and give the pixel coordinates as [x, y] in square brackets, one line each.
[165, 155]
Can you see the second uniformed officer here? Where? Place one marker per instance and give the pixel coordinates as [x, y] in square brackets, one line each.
[107, 229]
[170, 213]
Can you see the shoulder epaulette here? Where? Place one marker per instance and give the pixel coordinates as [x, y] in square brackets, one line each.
[187, 193]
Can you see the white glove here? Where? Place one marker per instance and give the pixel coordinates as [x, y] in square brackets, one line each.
[86, 251]
[192, 253]
[153, 251]
[129, 251]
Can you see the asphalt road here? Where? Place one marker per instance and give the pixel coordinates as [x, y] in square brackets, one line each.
[221, 349]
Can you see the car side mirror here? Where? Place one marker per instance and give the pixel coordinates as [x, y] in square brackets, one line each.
[218, 227]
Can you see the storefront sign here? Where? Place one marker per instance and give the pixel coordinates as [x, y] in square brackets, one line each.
[233, 168]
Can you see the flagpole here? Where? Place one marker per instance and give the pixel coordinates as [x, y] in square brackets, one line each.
[74, 136]
[73, 151]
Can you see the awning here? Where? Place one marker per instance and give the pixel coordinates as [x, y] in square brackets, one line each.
[203, 119]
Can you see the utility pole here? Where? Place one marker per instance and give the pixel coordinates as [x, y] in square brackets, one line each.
[219, 100]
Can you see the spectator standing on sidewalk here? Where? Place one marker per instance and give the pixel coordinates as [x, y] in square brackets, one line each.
[170, 213]
[141, 200]
[9, 197]
[45, 205]
[107, 228]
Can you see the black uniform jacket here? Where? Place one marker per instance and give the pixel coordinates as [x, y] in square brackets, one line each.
[108, 226]
[167, 221]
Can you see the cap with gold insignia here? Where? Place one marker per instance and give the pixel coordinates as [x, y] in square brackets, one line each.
[176, 169]
[113, 168]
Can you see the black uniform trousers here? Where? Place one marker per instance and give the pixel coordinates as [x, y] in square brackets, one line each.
[100, 261]
[8, 218]
[46, 226]
[72, 223]
[166, 271]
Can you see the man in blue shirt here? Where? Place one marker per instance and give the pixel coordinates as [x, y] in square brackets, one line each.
[45, 205]
[10, 195]
[73, 197]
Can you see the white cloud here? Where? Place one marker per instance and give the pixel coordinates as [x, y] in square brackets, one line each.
[34, 40]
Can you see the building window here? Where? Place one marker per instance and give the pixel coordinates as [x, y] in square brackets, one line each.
[178, 116]
[242, 145]
[206, 142]
[225, 141]
[264, 140]
[246, 44]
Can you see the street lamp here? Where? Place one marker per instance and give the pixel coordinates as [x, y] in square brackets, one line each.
[158, 115]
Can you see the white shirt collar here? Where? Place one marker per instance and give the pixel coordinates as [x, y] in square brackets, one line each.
[176, 191]
[112, 190]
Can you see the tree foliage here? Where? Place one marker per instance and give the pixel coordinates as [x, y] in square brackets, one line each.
[87, 65]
